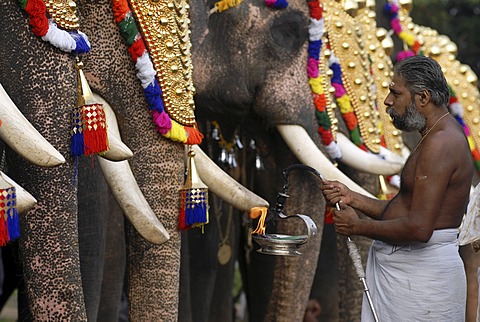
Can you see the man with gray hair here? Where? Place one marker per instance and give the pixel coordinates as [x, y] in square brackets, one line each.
[414, 270]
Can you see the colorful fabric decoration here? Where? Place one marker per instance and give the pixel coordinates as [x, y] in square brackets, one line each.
[10, 219]
[344, 103]
[415, 45]
[147, 76]
[276, 4]
[89, 128]
[456, 109]
[193, 198]
[89, 124]
[75, 42]
[223, 5]
[316, 31]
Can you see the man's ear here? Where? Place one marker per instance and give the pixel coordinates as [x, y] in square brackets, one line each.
[424, 97]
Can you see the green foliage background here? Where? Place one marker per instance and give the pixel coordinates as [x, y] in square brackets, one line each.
[459, 20]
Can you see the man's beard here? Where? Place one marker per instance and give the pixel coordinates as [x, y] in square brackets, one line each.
[411, 121]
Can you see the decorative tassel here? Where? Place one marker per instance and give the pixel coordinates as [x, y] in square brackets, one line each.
[9, 218]
[89, 125]
[13, 218]
[193, 198]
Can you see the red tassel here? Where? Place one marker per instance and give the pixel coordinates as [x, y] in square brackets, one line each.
[194, 135]
[94, 129]
[89, 130]
[3, 226]
[181, 216]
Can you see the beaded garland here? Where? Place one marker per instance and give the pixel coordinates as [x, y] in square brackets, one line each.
[147, 74]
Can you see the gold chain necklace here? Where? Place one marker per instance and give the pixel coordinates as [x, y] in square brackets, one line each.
[428, 132]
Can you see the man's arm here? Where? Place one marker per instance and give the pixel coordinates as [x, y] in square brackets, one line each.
[336, 192]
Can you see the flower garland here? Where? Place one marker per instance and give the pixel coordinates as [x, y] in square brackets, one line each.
[316, 31]
[71, 42]
[223, 5]
[147, 76]
[409, 38]
[276, 4]
[344, 103]
[455, 107]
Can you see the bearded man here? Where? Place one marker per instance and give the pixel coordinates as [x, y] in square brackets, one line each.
[414, 270]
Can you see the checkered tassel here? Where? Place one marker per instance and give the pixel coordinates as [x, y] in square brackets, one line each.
[9, 220]
[89, 124]
[193, 198]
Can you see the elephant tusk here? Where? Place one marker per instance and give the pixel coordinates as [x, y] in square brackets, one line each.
[360, 160]
[118, 151]
[223, 185]
[23, 138]
[307, 152]
[25, 201]
[125, 189]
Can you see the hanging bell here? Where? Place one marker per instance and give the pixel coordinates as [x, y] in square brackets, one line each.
[232, 162]
[259, 163]
[238, 142]
[193, 197]
[215, 135]
[223, 158]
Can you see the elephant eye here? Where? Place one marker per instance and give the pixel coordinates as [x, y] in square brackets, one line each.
[289, 31]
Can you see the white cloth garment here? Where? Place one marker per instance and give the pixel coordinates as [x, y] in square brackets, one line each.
[416, 282]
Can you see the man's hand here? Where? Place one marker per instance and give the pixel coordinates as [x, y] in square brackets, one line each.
[336, 192]
[345, 220]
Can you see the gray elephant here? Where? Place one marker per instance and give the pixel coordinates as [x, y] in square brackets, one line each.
[255, 85]
[45, 89]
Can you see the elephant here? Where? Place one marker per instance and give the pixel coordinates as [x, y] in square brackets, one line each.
[62, 244]
[250, 78]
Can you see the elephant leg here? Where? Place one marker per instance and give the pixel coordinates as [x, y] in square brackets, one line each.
[92, 212]
[41, 80]
[114, 265]
[325, 285]
[210, 283]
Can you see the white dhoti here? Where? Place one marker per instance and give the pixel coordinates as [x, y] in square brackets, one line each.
[416, 282]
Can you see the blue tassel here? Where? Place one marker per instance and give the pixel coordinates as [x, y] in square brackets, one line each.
[196, 207]
[77, 146]
[196, 215]
[13, 220]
